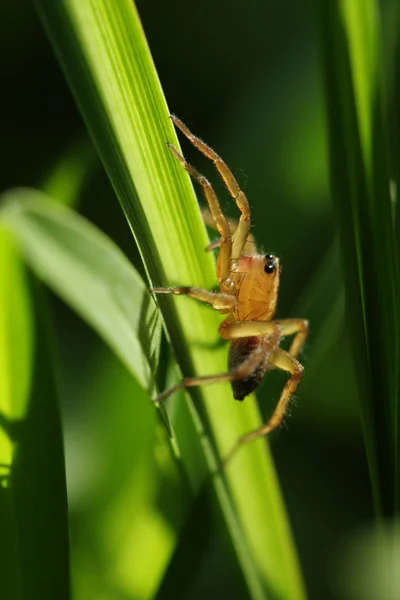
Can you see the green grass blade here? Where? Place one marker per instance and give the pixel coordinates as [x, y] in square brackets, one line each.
[86, 269]
[104, 54]
[34, 552]
[360, 185]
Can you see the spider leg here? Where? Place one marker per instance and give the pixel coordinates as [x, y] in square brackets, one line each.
[217, 300]
[245, 369]
[299, 327]
[282, 360]
[225, 253]
[250, 246]
[213, 245]
[242, 231]
[242, 329]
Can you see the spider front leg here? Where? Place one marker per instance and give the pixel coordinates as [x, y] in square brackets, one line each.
[242, 231]
[221, 224]
[217, 300]
[250, 246]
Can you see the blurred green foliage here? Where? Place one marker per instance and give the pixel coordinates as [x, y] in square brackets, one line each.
[246, 78]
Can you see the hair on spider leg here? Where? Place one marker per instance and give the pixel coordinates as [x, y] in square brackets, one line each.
[288, 415]
[293, 403]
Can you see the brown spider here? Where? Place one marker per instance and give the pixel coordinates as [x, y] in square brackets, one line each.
[249, 284]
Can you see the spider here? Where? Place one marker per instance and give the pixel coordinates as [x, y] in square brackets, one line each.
[249, 285]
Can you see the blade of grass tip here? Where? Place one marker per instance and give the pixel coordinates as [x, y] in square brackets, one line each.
[107, 63]
[360, 186]
[34, 549]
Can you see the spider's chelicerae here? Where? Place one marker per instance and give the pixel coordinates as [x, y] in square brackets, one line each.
[249, 285]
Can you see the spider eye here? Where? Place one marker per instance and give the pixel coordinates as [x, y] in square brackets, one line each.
[270, 264]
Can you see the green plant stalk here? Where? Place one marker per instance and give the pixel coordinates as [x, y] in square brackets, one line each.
[360, 186]
[102, 49]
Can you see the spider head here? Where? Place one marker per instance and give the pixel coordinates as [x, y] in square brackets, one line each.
[270, 282]
[257, 290]
[271, 265]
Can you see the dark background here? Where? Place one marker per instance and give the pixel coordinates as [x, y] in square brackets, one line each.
[246, 78]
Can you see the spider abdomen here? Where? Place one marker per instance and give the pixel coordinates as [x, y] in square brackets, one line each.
[239, 351]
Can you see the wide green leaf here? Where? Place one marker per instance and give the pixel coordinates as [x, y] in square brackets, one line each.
[90, 273]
